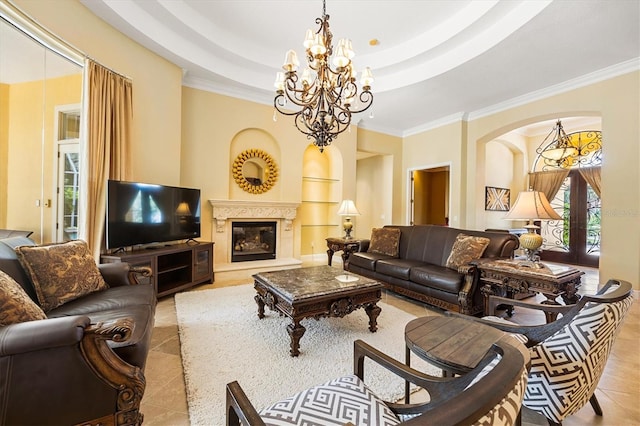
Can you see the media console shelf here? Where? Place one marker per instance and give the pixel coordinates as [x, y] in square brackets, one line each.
[174, 267]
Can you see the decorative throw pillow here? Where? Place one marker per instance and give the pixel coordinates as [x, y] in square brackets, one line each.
[465, 249]
[61, 272]
[385, 241]
[15, 305]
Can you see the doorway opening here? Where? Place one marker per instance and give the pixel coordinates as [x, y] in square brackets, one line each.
[429, 196]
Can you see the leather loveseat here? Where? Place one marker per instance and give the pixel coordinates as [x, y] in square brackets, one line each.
[83, 363]
[418, 268]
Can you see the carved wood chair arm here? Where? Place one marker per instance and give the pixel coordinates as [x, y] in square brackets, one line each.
[128, 380]
[139, 271]
[239, 408]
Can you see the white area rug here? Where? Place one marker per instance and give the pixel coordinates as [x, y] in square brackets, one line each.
[222, 340]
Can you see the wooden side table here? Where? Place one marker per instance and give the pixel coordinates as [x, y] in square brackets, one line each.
[510, 276]
[452, 343]
[347, 246]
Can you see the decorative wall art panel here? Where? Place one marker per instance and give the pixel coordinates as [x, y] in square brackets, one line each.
[496, 199]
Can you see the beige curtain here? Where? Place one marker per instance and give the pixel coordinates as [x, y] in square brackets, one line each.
[593, 177]
[548, 182]
[109, 118]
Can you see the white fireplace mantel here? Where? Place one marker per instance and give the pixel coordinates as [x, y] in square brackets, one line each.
[284, 213]
[225, 209]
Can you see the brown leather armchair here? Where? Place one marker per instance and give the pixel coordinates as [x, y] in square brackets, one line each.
[84, 364]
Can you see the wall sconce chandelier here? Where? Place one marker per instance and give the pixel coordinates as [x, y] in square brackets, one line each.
[580, 148]
[325, 96]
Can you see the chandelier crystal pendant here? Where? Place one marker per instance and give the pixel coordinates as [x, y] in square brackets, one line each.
[325, 94]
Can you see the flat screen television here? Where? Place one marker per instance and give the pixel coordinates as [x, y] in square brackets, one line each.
[141, 213]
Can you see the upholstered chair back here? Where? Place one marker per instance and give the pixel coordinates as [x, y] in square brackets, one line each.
[566, 367]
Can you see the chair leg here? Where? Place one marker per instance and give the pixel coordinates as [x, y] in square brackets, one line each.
[595, 404]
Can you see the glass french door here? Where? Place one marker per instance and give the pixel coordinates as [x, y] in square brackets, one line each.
[576, 238]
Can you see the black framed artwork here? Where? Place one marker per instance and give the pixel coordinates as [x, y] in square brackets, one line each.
[497, 199]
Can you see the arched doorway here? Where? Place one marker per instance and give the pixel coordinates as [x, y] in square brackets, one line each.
[576, 238]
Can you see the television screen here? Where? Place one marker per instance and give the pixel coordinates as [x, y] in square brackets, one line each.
[141, 213]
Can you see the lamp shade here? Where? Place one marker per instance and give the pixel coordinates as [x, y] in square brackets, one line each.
[532, 205]
[348, 208]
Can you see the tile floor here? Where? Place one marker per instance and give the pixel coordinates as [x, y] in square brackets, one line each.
[165, 401]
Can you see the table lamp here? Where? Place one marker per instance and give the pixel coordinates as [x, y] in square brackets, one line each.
[532, 205]
[347, 208]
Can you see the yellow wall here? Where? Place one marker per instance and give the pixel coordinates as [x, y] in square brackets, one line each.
[157, 84]
[31, 148]
[4, 153]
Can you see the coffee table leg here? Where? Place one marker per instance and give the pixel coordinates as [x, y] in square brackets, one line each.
[296, 331]
[260, 303]
[373, 311]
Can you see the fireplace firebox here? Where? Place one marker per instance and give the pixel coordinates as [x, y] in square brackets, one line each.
[253, 241]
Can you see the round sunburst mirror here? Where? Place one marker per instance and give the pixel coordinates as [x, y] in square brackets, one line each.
[255, 171]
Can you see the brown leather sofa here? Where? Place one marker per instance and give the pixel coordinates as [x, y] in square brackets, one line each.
[84, 364]
[420, 270]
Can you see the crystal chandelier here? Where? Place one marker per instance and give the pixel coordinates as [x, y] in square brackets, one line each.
[325, 96]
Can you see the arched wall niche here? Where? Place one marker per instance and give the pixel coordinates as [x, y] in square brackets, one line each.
[254, 139]
[322, 190]
[523, 148]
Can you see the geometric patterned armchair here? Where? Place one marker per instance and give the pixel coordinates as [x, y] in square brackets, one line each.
[348, 401]
[568, 356]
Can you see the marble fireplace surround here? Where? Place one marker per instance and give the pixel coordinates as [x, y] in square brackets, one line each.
[226, 211]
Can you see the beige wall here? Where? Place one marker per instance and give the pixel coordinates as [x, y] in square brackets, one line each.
[499, 172]
[384, 199]
[435, 148]
[210, 124]
[616, 101]
[157, 84]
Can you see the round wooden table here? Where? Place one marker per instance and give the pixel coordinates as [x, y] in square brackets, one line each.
[454, 344]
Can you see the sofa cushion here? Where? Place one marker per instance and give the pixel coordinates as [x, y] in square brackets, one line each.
[366, 260]
[342, 401]
[385, 241]
[61, 272]
[398, 268]
[15, 305]
[439, 277]
[465, 249]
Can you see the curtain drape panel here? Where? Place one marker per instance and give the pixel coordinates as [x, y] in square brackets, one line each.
[593, 177]
[548, 182]
[109, 115]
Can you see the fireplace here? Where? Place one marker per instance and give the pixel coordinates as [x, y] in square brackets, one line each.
[253, 241]
[227, 212]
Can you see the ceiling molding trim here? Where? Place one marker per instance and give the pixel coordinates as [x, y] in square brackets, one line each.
[582, 81]
[453, 118]
[247, 94]
[371, 125]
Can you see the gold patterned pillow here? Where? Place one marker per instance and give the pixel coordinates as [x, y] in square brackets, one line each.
[61, 272]
[15, 305]
[385, 241]
[465, 249]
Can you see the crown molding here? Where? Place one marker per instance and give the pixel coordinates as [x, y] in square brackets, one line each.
[576, 83]
[453, 118]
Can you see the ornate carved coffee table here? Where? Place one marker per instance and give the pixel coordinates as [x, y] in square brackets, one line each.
[316, 292]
